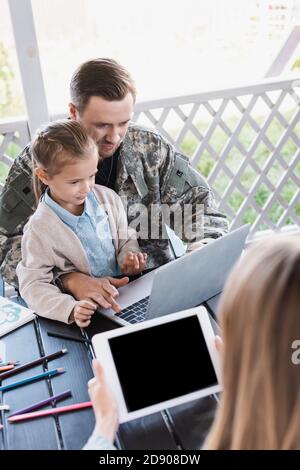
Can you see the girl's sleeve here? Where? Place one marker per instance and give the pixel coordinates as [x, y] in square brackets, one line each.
[35, 272]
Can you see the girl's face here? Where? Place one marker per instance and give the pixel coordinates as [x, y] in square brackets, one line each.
[70, 187]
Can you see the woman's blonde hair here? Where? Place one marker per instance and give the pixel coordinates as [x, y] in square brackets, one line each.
[260, 319]
[56, 145]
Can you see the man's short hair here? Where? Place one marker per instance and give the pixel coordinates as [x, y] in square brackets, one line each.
[100, 77]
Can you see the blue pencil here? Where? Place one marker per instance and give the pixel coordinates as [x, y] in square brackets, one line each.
[44, 375]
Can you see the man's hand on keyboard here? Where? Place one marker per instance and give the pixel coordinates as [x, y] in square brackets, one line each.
[103, 291]
[134, 263]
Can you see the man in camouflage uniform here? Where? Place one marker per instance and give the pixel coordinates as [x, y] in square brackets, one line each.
[139, 164]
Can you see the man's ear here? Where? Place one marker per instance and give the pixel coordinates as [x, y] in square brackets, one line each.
[73, 112]
[42, 175]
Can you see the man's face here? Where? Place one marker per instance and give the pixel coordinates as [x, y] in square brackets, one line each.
[106, 121]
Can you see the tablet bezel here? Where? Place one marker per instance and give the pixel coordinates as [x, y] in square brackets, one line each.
[103, 353]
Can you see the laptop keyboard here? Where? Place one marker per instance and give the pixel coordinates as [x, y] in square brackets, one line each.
[136, 312]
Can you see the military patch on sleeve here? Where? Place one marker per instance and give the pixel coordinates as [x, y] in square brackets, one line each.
[178, 175]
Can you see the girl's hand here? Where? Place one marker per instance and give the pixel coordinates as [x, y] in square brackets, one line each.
[134, 263]
[82, 313]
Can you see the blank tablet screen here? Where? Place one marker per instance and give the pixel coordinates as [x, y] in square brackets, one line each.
[162, 362]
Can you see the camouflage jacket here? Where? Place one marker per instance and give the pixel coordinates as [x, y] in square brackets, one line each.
[151, 177]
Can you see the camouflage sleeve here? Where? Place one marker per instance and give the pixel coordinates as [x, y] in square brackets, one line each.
[17, 203]
[192, 209]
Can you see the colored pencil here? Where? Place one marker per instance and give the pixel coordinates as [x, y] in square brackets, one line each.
[28, 380]
[35, 406]
[9, 363]
[4, 368]
[34, 363]
[70, 337]
[52, 411]
[4, 408]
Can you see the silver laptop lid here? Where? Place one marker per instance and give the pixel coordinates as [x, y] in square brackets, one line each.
[196, 277]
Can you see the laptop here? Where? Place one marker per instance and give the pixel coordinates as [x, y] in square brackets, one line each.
[181, 284]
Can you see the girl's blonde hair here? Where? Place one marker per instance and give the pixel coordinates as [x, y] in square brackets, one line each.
[260, 319]
[56, 145]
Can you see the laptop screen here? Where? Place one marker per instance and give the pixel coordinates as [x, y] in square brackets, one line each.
[162, 362]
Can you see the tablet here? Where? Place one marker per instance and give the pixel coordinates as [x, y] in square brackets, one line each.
[160, 363]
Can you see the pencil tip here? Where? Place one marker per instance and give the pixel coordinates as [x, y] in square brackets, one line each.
[60, 369]
[64, 351]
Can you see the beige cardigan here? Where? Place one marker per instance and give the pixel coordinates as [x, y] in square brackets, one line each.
[50, 248]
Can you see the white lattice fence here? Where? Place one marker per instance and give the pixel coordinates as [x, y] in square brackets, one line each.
[14, 135]
[246, 142]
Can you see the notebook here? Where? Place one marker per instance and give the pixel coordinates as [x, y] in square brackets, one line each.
[13, 315]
